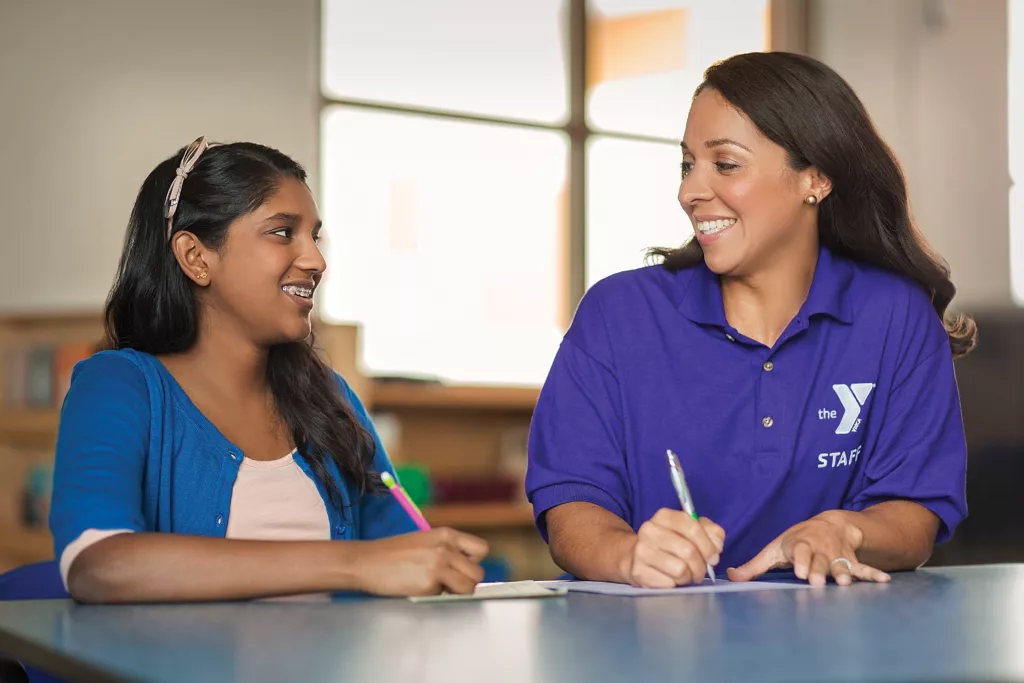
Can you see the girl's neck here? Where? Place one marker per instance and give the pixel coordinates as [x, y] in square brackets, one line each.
[225, 362]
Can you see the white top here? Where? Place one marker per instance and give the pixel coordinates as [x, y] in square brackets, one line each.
[272, 500]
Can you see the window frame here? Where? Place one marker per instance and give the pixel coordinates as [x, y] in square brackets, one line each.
[788, 22]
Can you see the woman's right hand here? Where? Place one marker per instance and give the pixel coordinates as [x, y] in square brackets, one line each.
[421, 563]
[672, 548]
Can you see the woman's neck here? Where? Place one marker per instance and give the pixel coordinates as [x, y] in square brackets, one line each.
[760, 306]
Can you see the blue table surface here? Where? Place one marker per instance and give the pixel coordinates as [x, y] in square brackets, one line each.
[949, 624]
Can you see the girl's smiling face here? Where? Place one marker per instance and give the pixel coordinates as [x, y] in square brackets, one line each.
[263, 277]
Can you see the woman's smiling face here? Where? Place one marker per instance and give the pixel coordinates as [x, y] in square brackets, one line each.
[745, 202]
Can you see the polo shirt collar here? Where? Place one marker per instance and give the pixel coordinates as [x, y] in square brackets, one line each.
[830, 287]
[702, 299]
[701, 302]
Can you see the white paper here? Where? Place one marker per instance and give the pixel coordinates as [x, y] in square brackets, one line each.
[501, 591]
[721, 586]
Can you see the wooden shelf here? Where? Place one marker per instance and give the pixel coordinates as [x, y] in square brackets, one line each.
[60, 319]
[426, 395]
[480, 515]
[23, 546]
[28, 423]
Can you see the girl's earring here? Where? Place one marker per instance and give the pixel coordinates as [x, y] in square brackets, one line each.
[203, 275]
[811, 199]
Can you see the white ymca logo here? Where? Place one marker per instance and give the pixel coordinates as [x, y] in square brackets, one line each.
[852, 397]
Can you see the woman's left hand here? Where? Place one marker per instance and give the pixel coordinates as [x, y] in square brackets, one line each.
[824, 545]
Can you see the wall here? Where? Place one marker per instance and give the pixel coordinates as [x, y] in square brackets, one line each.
[94, 94]
[932, 73]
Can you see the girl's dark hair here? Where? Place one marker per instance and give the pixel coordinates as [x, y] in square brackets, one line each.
[152, 308]
[810, 111]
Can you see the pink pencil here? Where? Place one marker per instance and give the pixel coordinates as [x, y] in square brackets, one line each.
[405, 501]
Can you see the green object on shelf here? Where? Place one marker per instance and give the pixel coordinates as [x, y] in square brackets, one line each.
[415, 479]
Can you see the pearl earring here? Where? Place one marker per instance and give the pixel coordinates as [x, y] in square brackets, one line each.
[811, 199]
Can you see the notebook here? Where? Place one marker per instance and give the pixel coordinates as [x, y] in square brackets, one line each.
[499, 591]
[721, 586]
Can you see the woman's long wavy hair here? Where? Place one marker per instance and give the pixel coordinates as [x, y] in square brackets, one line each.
[152, 306]
[810, 111]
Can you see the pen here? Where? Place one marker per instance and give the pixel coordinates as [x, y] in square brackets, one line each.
[679, 483]
[405, 501]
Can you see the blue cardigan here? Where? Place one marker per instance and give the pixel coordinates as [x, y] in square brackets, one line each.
[133, 452]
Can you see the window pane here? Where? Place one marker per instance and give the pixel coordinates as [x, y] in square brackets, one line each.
[446, 240]
[646, 57]
[632, 204]
[501, 59]
[1015, 92]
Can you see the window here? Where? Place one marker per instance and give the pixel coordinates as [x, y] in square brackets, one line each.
[449, 248]
[645, 58]
[631, 203]
[484, 163]
[1015, 97]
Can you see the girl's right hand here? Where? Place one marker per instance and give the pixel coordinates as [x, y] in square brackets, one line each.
[421, 563]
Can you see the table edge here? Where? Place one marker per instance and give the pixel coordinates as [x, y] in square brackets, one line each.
[54, 662]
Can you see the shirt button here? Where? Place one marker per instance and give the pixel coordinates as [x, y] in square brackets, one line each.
[220, 519]
[233, 456]
[340, 528]
[768, 366]
[768, 421]
[730, 337]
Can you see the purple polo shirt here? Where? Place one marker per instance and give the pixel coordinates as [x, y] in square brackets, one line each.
[855, 404]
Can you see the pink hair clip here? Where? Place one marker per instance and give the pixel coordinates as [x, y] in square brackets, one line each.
[188, 162]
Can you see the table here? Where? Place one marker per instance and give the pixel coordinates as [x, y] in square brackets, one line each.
[948, 624]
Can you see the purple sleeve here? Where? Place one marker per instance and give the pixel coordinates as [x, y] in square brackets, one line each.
[576, 451]
[921, 452]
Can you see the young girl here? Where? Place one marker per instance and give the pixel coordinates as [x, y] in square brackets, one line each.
[795, 355]
[213, 455]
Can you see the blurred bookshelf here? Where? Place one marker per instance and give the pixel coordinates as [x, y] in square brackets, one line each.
[474, 516]
[37, 355]
[20, 546]
[23, 424]
[471, 439]
[392, 394]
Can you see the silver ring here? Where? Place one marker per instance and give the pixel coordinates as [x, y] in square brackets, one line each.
[849, 565]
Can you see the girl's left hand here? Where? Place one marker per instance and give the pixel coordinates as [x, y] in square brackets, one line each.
[824, 545]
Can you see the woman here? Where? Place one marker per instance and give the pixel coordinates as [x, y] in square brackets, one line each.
[795, 355]
[213, 455]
